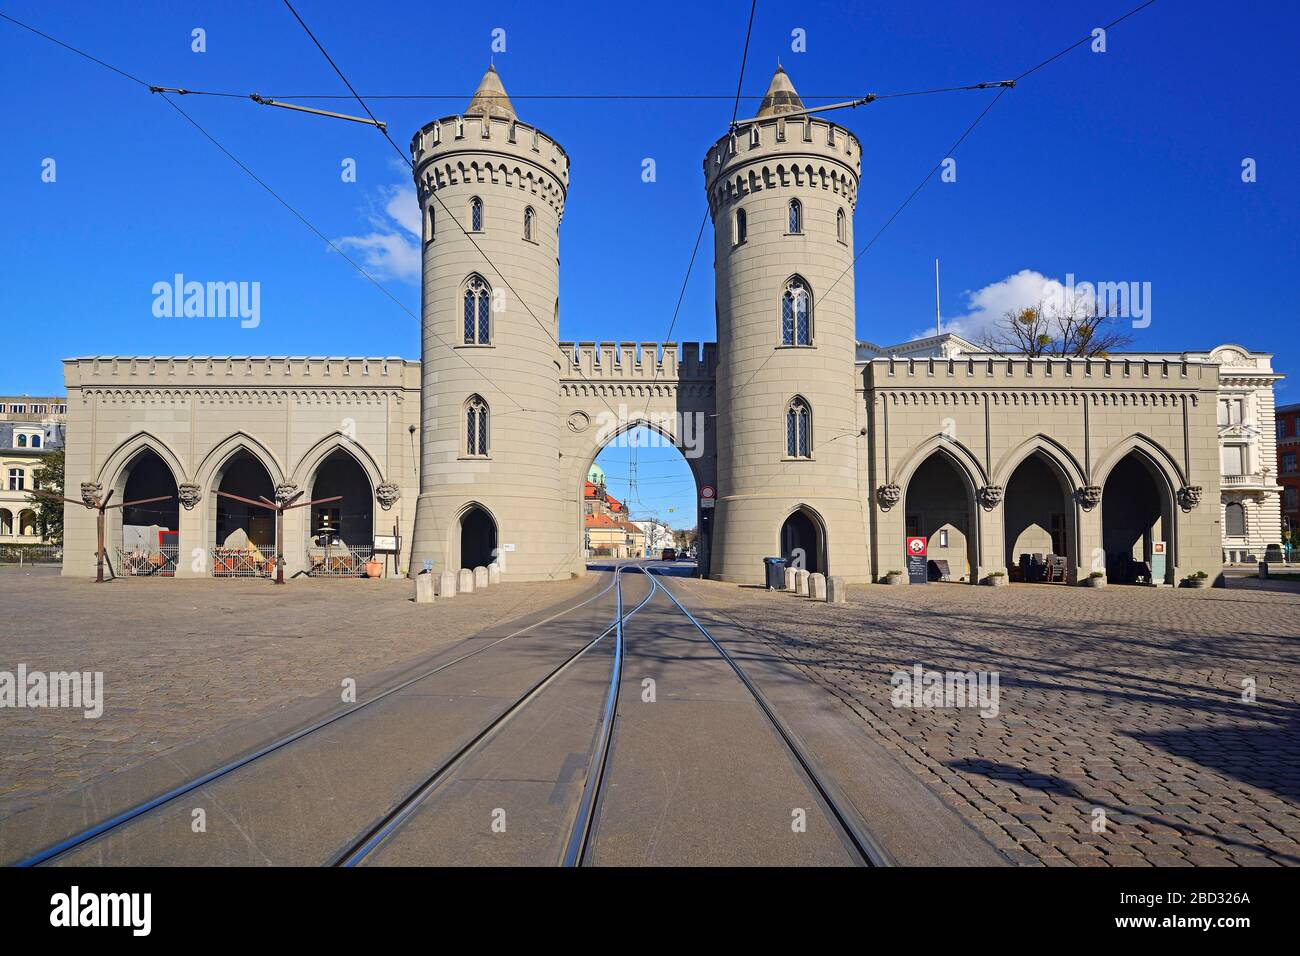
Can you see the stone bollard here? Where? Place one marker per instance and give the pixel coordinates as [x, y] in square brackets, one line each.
[789, 578]
[447, 584]
[465, 581]
[836, 592]
[480, 577]
[494, 573]
[424, 589]
[801, 583]
[817, 586]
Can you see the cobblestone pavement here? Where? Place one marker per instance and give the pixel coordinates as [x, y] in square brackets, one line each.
[1122, 700]
[184, 658]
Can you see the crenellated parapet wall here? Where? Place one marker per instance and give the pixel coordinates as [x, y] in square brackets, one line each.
[203, 371]
[1013, 374]
[803, 151]
[490, 149]
[645, 361]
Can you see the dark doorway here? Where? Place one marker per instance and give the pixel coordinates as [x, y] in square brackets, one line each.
[1134, 515]
[1037, 519]
[478, 539]
[247, 477]
[351, 520]
[149, 477]
[801, 542]
[940, 508]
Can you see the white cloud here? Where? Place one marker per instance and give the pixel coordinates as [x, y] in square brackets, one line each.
[391, 250]
[985, 307]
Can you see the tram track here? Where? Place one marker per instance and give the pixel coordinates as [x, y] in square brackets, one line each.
[507, 750]
[115, 822]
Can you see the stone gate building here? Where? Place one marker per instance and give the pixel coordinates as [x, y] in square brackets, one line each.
[819, 446]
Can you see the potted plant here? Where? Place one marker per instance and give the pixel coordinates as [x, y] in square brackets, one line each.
[894, 577]
[1197, 579]
[996, 579]
[1097, 579]
[374, 567]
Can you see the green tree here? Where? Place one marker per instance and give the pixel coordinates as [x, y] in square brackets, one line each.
[49, 514]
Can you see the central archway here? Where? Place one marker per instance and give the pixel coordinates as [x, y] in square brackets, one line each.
[1038, 522]
[477, 538]
[147, 534]
[940, 507]
[639, 493]
[243, 535]
[803, 540]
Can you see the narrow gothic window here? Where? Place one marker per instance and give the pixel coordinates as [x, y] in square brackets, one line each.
[428, 224]
[798, 429]
[478, 304]
[796, 323]
[476, 426]
[528, 223]
[742, 226]
[476, 215]
[796, 217]
[841, 226]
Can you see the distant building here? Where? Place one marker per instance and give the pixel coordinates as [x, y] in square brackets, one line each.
[25, 441]
[1287, 430]
[606, 528]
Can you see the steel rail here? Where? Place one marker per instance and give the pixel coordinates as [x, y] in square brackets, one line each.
[575, 853]
[85, 836]
[386, 826]
[864, 844]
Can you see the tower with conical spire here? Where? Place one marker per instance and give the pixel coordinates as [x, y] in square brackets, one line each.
[491, 191]
[781, 189]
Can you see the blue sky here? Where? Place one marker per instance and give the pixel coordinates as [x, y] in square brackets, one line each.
[1115, 166]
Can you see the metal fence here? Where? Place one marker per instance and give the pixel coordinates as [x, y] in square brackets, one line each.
[24, 554]
[337, 562]
[242, 563]
[144, 564]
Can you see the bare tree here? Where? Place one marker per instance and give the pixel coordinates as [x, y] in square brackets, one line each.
[1056, 328]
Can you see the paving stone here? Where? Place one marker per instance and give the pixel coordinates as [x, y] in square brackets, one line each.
[1127, 699]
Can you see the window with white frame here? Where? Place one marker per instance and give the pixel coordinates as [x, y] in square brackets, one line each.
[17, 479]
[1234, 459]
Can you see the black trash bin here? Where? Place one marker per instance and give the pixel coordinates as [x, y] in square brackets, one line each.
[774, 569]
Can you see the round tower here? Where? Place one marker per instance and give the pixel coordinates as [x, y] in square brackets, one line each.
[491, 192]
[781, 190]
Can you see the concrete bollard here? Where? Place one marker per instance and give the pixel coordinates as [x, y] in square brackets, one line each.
[447, 584]
[480, 577]
[817, 586]
[424, 589]
[789, 578]
[494, 573]
[801, 583]
[465, 581]
[836, 592]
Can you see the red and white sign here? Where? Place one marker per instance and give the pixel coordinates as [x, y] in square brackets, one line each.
[707, 492]
[916, 546]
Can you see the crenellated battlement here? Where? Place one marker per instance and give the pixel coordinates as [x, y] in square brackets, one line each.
[1172, 372]
[504, 151]
[802, 151]
[648, 361]
[240, 369]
